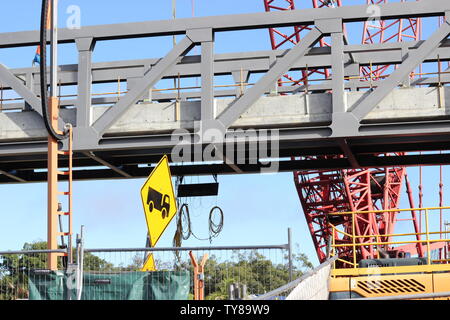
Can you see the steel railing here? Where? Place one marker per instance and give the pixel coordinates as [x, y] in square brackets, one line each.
[355, 242]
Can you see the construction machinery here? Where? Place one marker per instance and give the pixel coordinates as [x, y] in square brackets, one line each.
[390, 275]
[371, 196]
[322, 192]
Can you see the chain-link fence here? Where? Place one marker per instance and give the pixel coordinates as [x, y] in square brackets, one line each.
[18, 268]
[230, 273]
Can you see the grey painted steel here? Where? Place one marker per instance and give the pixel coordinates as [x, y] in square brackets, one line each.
[218, 248]
[232, 22]
[281, 67]
[12, 176]
[107, 164]
[54, 49]
[207, 85]
[85, 47]
[6, 77]
[338, 72]
[336, 116]
[291, 270]
[414, 59]
[254, 62]
[150, 79]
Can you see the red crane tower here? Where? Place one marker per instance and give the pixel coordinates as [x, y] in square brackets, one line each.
[323, 193]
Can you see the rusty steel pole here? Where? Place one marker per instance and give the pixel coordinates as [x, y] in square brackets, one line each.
[52, 209]
[52, 157]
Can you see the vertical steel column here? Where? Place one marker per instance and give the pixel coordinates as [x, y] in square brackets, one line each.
[54, 50]
[85, 47]
[337, 69]
[52, 192]
[54, 210]
[291, 270]
[69, 193]
[207, 108]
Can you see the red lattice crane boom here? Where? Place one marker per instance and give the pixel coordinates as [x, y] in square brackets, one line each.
[323, 193]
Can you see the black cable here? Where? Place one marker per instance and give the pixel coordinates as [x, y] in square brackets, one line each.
[215, 228]
[187, 217]
[43, 74]
[184, 230]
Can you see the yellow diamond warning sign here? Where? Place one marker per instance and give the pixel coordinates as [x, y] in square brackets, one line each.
[149, 265]
[158, 199]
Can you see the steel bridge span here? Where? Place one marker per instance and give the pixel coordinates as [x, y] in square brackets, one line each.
[356, 122]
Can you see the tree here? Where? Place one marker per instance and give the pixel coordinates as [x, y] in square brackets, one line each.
[253, 269]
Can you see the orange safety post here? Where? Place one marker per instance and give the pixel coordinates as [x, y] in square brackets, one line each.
[199, 276]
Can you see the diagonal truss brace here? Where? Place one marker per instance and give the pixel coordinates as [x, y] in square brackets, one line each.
[12, 176]
[107, 164]
[11, 80]
[281, 66]
[415, 58]
[150, 79]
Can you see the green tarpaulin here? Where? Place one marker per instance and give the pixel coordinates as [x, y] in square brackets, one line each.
[47, 286]
[160, 285]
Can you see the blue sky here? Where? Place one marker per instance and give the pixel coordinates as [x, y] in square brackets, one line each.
[258, 208]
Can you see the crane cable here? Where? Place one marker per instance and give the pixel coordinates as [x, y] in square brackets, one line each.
[43, 72]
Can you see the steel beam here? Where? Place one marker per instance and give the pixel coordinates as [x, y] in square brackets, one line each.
[349, 153]
[254, 62]
[316, 131]
[282, 65]
[222, 169]
[136, 93]
[85, 47]
[207, 77]
[8, 78]
[107, 164]
[261, 20]
[12, 176]
[412, 61]
[338, 72]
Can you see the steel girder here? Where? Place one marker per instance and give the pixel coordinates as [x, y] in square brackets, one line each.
[346, 59]
[424, 8]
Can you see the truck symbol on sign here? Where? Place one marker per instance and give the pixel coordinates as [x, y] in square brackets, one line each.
[158, 201]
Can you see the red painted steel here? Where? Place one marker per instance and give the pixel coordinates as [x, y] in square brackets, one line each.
[377, 31]
[323, 193]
